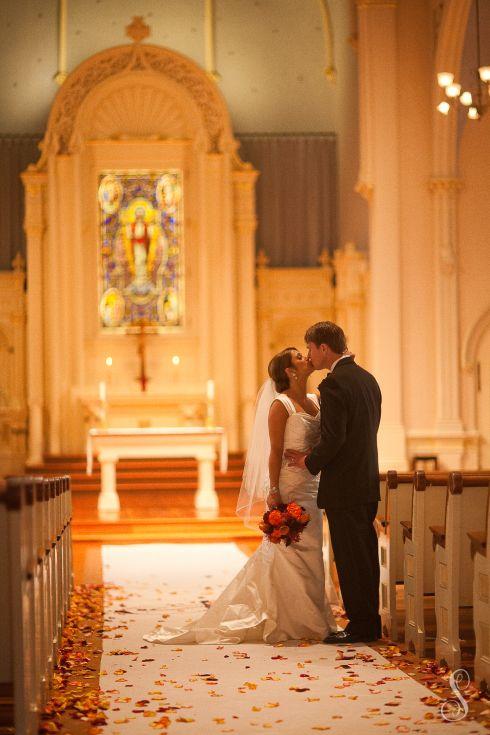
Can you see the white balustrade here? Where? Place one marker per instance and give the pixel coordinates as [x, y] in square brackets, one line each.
[35, 576]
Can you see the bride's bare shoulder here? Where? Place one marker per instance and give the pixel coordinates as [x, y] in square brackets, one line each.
[278, 407]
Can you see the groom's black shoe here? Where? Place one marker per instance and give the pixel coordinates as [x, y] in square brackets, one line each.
[345, 637]
[342, 638]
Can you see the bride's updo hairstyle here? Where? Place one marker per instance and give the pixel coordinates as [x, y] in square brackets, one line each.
[277, 368]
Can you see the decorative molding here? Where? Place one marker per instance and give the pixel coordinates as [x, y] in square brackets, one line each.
[209, 41]
[365, 190]
[62, 72]
[324, 259]
[262, 261]
[125, 60]
[137, 30]
[472, 342]
[330, 70]
[19, 263]
[445, 184]
[377, 3]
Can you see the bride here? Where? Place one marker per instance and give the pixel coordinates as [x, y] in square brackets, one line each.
[279, 594]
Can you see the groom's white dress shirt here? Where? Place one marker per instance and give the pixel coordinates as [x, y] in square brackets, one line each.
[342, 357]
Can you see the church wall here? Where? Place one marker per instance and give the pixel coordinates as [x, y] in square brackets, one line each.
[474, 244]
[474, 258]
[271, 58]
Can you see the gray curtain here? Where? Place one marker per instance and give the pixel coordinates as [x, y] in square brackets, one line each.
[16, 153]
[296, 194]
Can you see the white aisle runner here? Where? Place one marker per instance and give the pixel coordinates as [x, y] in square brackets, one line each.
[238, 689]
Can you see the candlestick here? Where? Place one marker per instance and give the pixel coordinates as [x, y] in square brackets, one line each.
[108, 371]
[102, 392]
[210, 403]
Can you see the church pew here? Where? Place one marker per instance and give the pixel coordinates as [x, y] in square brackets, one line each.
[466, 504]
[395, 505]
[480, 549]
[428, 509]
[34, 552]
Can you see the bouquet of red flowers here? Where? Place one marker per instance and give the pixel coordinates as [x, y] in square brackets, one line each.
[284, 523]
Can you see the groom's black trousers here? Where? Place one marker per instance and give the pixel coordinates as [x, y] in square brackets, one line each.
[355, 549]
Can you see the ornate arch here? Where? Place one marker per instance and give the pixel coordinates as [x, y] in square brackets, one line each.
[123, 60]
[472, 342]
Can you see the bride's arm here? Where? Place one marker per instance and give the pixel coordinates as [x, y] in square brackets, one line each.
[278, 416]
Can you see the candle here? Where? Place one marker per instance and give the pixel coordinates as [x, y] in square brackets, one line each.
[210, 390]
[102, 391]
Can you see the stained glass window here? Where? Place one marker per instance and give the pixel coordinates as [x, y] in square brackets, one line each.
[141, 278]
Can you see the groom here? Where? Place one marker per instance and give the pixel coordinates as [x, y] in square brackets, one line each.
[347, 457]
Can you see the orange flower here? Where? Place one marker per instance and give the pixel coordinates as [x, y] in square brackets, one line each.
[275, 518]
[294, 510]
[276, 534]
[304, 517]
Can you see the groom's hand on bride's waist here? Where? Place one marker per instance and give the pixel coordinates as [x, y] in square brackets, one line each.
[295, 458]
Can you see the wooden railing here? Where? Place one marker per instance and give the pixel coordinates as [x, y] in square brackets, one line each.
[36, 582]
[434, 531]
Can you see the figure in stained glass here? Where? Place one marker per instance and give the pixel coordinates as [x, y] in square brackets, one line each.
[141, 249]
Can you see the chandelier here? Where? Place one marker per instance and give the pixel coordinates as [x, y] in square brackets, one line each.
[475, 101]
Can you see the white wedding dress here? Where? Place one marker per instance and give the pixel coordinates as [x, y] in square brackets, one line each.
[279, 594]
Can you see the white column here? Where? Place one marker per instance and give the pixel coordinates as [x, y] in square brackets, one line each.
[108, 504]
[221, 268]
[53, 315]
[34, 226]
[445, 187]
[379, 183]
[448, 415]
[351, 271]
[206, 498]
[245, 223]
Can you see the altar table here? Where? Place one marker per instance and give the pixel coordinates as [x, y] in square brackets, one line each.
[110, 445]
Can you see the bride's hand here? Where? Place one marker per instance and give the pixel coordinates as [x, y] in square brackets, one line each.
[273, 498]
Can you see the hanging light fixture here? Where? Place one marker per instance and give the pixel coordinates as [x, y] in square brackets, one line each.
[473, 101]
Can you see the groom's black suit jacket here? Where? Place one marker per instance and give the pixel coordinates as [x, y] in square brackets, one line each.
[347, 454]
